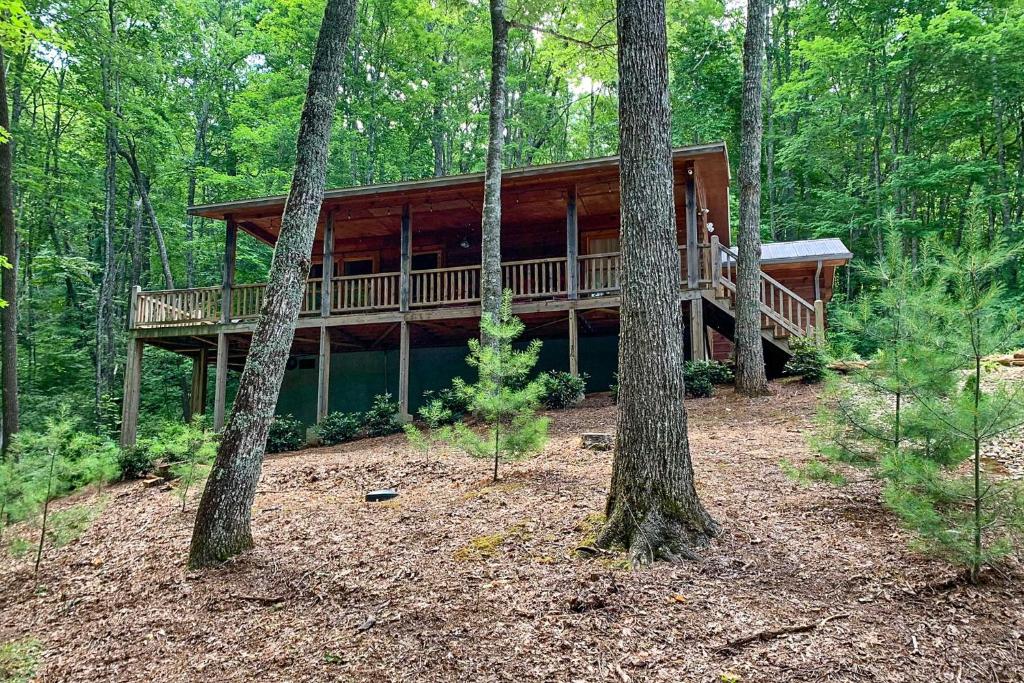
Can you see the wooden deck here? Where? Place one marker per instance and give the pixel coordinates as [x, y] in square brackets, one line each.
[455, 293]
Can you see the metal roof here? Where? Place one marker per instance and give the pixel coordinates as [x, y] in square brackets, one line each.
[827, 249]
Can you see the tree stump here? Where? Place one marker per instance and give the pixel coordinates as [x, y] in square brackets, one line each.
[596, 441]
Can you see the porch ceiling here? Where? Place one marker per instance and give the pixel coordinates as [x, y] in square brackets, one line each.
[531, 196]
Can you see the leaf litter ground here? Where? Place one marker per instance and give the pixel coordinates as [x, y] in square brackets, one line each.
[457, 579]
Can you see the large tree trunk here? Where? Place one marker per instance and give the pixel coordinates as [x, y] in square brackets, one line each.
[105, 303]
[222, 527]
[652, 507]
[8, 277]
[750, 372]
[490, 245]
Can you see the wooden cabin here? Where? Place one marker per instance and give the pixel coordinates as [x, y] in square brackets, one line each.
[393, 294]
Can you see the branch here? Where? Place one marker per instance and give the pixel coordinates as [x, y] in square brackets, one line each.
[763, 636]
[590, 44]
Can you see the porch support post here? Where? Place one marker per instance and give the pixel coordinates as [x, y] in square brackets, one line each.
[698, 351]
[324, 367]
[574, 350]
[406, 259]
[403, 373]
[819, 321]
[572, 250]
[197, 399]
[230, 247]
[132, 387]
[220, 392]
[327, 281]
[692, 257]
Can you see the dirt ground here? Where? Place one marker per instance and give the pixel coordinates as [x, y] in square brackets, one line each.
[457, 580]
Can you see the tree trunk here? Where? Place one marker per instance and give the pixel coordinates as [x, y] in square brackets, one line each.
[8, 277]
[222, 527]
[198, 158]
[140, 184]
[490, 246]
[652, 506]
[105, 303]
[750, 372]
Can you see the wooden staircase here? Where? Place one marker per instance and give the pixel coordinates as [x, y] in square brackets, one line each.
[784, 314]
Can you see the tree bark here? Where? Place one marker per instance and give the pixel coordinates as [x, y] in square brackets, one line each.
[105, 302]
[222, 527]
[750, 372]
[652, 506]
[490, 245]
[140, 184]
[8, 276]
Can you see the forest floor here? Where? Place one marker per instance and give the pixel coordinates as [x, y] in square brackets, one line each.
[458, 579]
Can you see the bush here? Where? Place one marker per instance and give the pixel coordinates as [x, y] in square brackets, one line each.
[614, 388]
[286, 434]
[808, 362]
[339, 427]
[381, 419]
[560, 389]
[134, 462]
[701, 376]
[445, 406]
[57, 462]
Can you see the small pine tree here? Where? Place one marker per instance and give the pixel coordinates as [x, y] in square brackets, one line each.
[503, 398]
[978, 520]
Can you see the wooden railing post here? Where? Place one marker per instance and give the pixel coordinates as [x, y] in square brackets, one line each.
[819, 321]
[327, 278]
[572, 247]
[406, 259]
[133, 308]
[230, 247]
[692, 257]
[716, 264]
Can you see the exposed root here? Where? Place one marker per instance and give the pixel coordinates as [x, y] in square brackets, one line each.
[656, 538]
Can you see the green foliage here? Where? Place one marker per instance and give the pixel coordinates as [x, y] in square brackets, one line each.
[286, 434]
[338, 427]
[19, 660]
[925, 404]
[503, 398]
[809, 361]
[445, 406]
[68, 524]
[560, 389]
[701, 376]
[53, 463]
[614, 388]
[134, 461]
[382, 417]
[814, 471]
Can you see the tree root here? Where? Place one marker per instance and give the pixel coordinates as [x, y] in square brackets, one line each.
[656, 538]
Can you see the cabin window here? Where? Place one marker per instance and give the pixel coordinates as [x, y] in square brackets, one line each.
[603, 245]
[427, 260]
[358, 266]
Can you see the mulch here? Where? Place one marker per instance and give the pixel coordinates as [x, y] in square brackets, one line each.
[459, 580]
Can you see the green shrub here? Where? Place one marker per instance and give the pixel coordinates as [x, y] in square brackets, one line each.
[53, 463]
[134, 462]
[560, 389]
[614, 388]
[699, 386]
[339, 427]
[445, 406]
[809, 361]
[286, 434]
[381, 419]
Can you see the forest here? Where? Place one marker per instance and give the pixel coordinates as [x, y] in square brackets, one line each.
[860, 461]
[875, 112]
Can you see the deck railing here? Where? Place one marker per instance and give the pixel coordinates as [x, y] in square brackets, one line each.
[534, 279]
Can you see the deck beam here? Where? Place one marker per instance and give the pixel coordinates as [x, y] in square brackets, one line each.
[403, 373]
[323, 387]
[197, 396]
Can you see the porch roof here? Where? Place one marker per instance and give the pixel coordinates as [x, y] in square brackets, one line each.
[826, 249]
[531, 195]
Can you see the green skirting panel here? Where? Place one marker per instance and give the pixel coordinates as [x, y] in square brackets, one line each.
[358, 376]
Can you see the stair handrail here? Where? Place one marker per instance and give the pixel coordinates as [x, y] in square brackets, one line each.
[813, 311]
